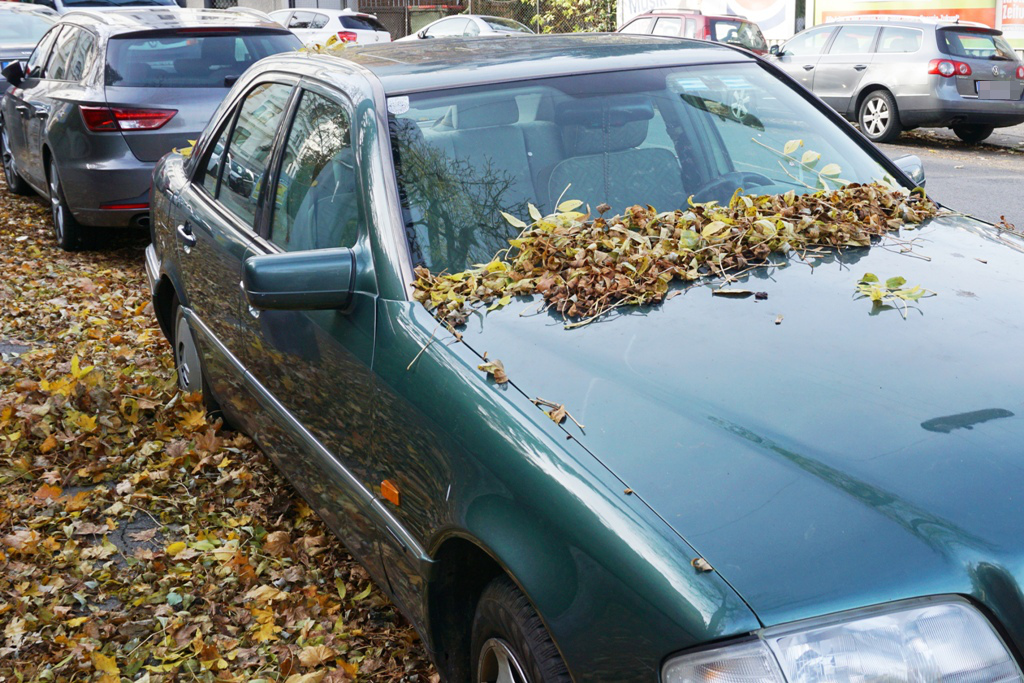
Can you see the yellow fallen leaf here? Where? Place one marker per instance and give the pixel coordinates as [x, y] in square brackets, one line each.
[104, 664]
[48, 445]
[76, 622]
[314, 655]
[47, 492]
[312, 677]
[265, 593]
[175, 548]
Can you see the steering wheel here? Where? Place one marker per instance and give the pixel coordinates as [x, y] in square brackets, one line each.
[729, 182]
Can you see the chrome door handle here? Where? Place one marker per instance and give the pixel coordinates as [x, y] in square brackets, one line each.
[185, 236]
[22, 109]
[808, 67]
[861, 67]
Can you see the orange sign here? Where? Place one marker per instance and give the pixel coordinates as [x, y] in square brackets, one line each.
[1012, 13]
[982, 15]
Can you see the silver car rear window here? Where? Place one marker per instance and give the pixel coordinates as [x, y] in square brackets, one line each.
[189, 58]
[974, 43]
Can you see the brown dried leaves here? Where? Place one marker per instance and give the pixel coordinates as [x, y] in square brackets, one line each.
[585, 267]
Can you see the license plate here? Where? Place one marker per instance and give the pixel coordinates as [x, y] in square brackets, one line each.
[995, 90]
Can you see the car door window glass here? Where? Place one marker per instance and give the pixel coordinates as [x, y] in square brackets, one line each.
[853, 40]
[301, 20]
[449, 27]
[691, 29]
[211, 169]
[641, 26]
[809, 43]
[319, 21]
[668, 26]
[81, 57]
[245, 163]
[472, 29]
[61, 60]
[38, 57]
[896, 40]
[316, 203]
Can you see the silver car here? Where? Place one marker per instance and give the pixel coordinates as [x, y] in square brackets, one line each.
[469, 26]
[891, 74]
[105, 95]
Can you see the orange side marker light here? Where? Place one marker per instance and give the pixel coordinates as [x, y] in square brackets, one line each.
[389, 491]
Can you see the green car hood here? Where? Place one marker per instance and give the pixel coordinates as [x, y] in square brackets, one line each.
[820, 453]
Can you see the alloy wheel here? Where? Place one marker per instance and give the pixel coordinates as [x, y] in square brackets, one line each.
[56, 205]
[876, 116]
[498, 664]
[186, 357]
[10, 173]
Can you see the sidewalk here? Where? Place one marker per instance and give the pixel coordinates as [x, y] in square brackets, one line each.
[1011, 138]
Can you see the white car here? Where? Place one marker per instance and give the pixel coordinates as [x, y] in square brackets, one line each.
[314, 26]
[470, 25]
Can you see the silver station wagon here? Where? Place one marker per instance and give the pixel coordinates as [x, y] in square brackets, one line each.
[891, 74]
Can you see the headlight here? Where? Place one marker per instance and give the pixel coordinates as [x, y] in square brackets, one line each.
[934, 640]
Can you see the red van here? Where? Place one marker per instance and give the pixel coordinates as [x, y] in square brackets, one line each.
[683, 23]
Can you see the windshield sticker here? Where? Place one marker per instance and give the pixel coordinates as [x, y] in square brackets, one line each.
[398, 105]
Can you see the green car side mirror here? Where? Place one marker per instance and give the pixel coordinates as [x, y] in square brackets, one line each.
[301, 280]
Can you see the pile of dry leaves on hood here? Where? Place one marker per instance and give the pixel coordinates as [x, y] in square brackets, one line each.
[137, 541]
[585, 267]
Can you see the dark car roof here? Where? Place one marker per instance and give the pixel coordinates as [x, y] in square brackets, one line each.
[456, 62]
[170, 17]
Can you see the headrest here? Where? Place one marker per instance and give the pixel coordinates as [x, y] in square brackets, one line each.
[595, 127]
[485, 113]
[620, 111]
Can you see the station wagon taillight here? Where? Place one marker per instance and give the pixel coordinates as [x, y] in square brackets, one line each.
[948, 68]
[1020, 72]
[105, 119]
[347, 36]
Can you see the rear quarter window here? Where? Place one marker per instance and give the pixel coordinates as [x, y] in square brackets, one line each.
[187, 60]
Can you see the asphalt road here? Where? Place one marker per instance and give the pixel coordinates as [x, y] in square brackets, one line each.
[986, 180]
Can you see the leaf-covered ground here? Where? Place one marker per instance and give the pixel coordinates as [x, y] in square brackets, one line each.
[138, 542]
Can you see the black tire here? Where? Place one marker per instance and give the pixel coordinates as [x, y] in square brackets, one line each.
[506, 626]
[68, 232]
[879, 118]
[973, 134]
[188, 364]
[15, 183]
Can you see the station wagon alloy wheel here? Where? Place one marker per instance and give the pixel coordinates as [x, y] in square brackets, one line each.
[14, 181]
[498, 664]
[878, 118]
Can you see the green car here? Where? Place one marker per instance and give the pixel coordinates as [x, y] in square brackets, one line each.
[795, 486]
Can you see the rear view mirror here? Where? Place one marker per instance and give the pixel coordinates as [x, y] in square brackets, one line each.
[14, 73]
[300, 280]
[775, 50]
[912, 165]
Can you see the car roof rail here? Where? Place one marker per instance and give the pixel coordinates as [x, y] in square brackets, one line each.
[95, 16]
[674, 10]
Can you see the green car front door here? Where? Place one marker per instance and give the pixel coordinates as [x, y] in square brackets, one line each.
[312, 369]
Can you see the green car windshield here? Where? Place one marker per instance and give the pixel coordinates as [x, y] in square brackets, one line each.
[651, 137]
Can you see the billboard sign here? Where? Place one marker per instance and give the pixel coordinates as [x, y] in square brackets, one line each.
[981, 11]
